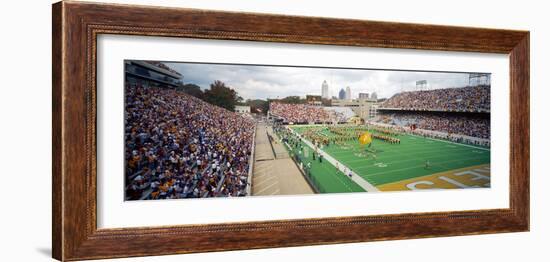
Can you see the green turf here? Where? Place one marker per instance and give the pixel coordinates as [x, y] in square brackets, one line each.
[323, 174]
[396, 162]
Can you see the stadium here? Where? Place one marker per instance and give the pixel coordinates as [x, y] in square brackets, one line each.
[186, 141]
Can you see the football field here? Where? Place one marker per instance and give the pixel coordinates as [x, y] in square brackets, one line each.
[414, 163]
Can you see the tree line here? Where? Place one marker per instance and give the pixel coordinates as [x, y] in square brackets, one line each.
[226, 97]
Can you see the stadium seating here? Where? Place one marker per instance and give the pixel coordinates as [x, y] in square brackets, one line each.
[474, 126]
[465, 99]
[178, 146]
[461, 111]
[299, 113]
[304, 114]
[343, 114]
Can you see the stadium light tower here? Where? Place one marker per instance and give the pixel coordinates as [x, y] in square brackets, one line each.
[478, 79]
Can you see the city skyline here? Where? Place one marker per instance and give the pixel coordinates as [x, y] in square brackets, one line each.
[262, 82]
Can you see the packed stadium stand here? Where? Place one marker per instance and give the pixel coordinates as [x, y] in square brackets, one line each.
[465, 99]
[178, 146]
[463, 124]
[299, 113]
[343, 114]
[307, 114]
[461, 111]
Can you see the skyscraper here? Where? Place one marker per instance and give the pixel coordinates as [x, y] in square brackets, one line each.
[348, 93]
[324, 90]
[342, 94]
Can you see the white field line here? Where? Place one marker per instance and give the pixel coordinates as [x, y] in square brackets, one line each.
[413, 157]
[404, 152]
[409, 156]
[356, 178]
[409, 149]
[333, 161]
[343, 183]
[337, 176]
[434, 139]
[413, 167]
[450, 142]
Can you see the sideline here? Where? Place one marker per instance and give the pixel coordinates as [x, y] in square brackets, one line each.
[355, 177]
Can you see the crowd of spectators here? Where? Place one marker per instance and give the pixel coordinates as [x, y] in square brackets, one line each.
[464, 99]
[341, 113]
[178, 146]
[460, 124]
[301, 113]
[339, 117]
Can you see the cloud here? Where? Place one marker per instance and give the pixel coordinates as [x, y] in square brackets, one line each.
[253, 81]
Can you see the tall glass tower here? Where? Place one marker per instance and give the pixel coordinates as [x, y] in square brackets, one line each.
[342, 94]
[324, 90]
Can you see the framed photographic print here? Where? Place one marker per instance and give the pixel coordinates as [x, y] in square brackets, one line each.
[203, 131]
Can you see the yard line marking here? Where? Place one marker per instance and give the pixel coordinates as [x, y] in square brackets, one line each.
[411, 159]
[412, 167]
[389, 159]
[410, 152]
[449, 142]
[338, 177]
[355, 177]
[405, 150]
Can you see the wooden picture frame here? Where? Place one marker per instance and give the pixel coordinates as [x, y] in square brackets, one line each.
[76, 26]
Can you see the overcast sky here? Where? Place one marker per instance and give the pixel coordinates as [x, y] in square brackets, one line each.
[253, 82]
